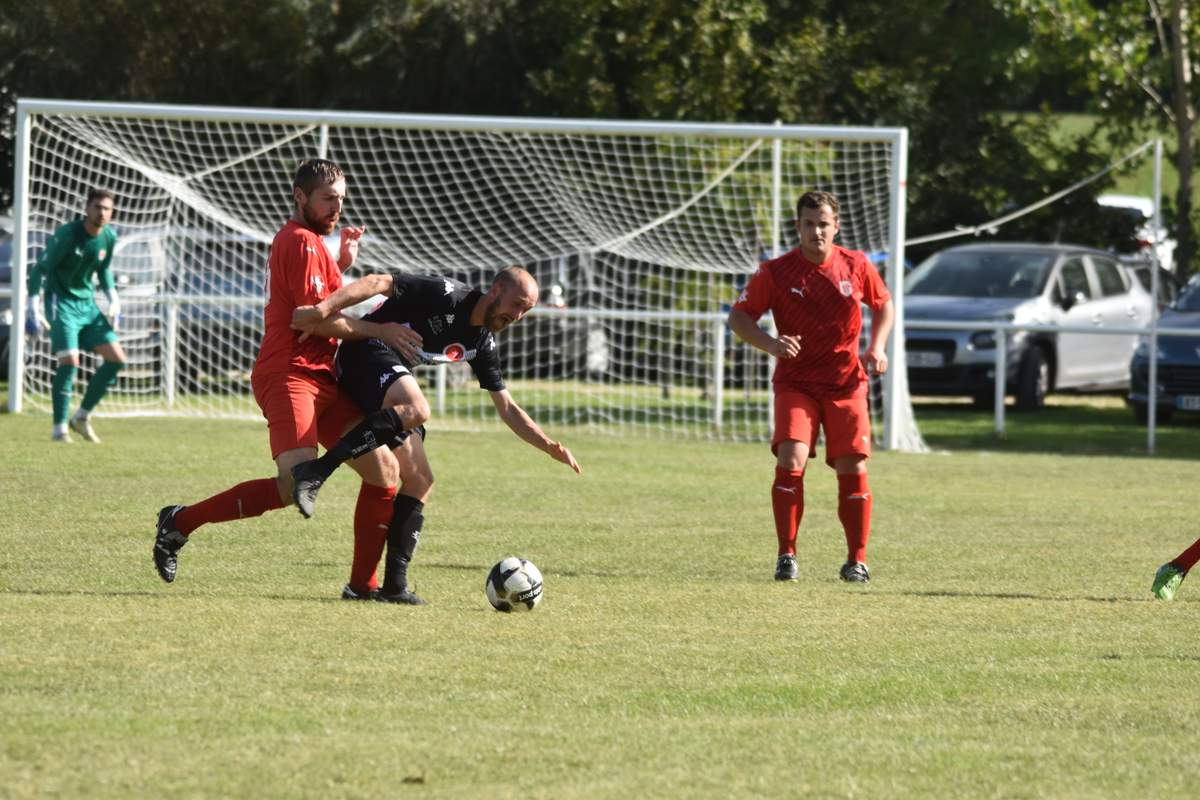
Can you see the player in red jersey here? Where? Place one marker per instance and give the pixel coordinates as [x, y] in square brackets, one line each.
[815, 293]
[293, 378]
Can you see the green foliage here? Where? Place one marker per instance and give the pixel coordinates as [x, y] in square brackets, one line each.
[1007, 646]
[917, 63]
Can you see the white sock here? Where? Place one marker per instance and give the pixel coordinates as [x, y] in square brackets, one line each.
[59, 430]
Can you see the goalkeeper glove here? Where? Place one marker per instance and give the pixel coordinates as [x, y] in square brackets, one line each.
[114, 307]
[35, 319]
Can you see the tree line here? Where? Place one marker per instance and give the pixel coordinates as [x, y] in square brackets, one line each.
[977, 82]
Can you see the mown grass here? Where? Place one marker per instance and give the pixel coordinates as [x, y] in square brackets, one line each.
[1008, 645]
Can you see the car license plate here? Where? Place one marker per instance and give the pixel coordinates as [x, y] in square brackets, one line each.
[1188, 402]
[926, 359]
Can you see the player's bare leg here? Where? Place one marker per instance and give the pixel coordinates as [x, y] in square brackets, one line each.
[405, 408]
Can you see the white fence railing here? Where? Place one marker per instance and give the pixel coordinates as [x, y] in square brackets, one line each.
[999, 329]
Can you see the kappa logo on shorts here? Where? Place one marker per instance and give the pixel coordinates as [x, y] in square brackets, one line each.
[846, 287]
[318, 284]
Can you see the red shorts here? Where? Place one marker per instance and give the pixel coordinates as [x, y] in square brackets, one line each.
[303, 408]
[847, 424]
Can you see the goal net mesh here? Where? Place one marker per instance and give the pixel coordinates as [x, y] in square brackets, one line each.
[640, 243]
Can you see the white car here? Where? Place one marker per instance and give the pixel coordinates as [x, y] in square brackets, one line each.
[1141, 210]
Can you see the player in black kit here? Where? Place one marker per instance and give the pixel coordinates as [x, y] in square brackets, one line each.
[455, 323]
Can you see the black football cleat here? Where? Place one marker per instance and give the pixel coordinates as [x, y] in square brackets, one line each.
[404, 597]
[167, 543]
[855, 572]
[306, 482]
[785, 568]
[349, 593]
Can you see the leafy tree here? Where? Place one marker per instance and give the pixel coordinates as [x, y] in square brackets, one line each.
[1135, 61]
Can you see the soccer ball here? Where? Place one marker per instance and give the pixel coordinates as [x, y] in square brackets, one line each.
[514, 584]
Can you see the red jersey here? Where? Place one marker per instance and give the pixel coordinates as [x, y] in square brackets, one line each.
[300, 272]
[820, 303]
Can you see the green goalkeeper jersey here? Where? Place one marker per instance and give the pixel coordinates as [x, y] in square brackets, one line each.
[71, 258]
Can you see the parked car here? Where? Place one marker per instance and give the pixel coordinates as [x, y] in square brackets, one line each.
[1178, 374]
[1147, 240]
[1170, 285]
[1042, 284]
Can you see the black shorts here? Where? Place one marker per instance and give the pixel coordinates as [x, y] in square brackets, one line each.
[366, 369]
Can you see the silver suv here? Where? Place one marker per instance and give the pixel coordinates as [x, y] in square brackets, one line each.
[1040, 284]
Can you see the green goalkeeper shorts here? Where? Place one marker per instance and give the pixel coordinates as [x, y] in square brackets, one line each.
[76, 325]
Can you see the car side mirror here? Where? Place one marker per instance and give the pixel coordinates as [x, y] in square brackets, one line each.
[1072, 300]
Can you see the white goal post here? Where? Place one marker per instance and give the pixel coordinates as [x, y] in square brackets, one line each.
[641, 234]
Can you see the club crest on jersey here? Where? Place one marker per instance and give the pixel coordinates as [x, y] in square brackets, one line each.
[101, 255]
[454, 352]
[846, 287]
[437, 324]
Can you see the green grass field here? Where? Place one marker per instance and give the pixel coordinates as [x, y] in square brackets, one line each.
[1007, 647]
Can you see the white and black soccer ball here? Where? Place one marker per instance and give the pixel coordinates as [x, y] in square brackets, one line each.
[514, 584]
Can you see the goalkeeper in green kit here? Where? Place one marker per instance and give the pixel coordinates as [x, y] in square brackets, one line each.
[62, 298]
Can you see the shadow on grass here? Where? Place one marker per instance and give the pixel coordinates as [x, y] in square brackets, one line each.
[1019, 596]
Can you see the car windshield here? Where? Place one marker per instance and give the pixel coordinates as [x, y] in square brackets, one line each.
[980, 273]
[1189, 300]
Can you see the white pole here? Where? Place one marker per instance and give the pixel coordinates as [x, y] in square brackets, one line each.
[170, 350]
[896, 376]
[1001, 377]
[776, 194]
[442, 370]
[718, 334]
[16, 342]
[1152, 385]
[323, 144]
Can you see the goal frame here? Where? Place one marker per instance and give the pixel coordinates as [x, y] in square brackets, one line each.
[897, 138]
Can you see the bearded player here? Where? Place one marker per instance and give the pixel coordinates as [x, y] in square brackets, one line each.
[455, 322]
[815, 292]
[293, 377]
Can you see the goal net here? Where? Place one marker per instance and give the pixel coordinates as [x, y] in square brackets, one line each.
[640, 235]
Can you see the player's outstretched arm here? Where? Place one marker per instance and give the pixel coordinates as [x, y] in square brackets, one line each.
[523, 426]
[306, 318]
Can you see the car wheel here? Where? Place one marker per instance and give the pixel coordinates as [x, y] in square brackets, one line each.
[1033, 380]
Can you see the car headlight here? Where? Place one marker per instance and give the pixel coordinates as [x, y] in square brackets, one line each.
[986, 340]
[983, 340]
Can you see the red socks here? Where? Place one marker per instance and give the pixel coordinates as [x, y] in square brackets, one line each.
[249, 499]
[1188, 558]
[787, 501]
[854, 510]
[371, 518]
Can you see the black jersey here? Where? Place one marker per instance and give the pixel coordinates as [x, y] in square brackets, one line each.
[440, 310]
